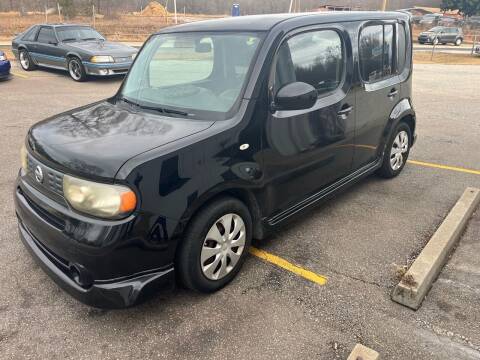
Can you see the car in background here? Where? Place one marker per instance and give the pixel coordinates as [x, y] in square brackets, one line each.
[430, 19]
[4, 66]
[476, 50]
[441, 35]
[79, 49]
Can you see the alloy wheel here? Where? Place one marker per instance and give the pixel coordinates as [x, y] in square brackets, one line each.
[223, 246]
[74, 69]
[399, 148]
[24, 60]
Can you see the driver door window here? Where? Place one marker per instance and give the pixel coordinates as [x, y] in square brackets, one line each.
[314, 57]
[46, 36]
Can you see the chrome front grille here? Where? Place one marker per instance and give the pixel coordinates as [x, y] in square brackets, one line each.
[52, 180]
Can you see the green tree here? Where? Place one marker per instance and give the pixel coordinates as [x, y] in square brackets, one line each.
[68, 8]
[465, 7]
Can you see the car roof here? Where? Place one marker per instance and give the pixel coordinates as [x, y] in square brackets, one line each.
[63, 25]
[267, 22]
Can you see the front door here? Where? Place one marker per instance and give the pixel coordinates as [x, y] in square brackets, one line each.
[47, 50]
[379, 90]
[305, 150]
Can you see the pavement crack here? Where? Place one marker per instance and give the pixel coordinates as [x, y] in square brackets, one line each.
[355, 278]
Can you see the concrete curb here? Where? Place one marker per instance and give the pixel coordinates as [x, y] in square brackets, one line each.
[417, 281]
[361, 352]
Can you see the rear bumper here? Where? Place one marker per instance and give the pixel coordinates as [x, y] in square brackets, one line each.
[115, 294]
[4, 69]
[106, 69]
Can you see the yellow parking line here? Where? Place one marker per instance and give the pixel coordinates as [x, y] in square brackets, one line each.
[444, 167]
[19, 75]
[284, 264]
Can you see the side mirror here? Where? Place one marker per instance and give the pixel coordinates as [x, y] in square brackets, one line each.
[295, 96]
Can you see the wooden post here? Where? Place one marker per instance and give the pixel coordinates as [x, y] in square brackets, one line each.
[59, 12]
[46, 14]
[384, 5]
[93, 15]
[290, 7]
[175, 10]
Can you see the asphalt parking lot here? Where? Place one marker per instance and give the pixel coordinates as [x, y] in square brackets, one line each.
[269, 312]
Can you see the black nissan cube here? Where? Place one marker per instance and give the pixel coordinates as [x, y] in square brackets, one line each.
[222, 131]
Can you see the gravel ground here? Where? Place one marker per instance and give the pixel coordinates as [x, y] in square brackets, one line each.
[267, 312]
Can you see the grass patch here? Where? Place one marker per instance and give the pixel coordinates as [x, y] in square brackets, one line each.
[425, 57]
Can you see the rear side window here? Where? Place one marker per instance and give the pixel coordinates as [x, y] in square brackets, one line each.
[314, 57]
[30, 34]
[376, 52]
[46, 35]
[402, 47]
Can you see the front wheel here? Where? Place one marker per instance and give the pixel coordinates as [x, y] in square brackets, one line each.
[458, 42]
[396, 152]
[76, 70]
[215, 245]
[435, 41]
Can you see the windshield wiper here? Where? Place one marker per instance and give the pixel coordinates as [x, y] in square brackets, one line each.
[69, 39]
[87, 39]
[155, 108]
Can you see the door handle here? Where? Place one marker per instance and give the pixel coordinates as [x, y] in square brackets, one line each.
[345, 111]
[393, 93]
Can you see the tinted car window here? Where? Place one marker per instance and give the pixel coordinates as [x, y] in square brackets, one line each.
[402, 47]
[314, 57]
[46, 35]
[30, 34]
[388, 50]
[376, 52]
[72, 33]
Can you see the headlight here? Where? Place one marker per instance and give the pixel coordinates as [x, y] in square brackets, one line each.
[24, 157]
[101, 59]
[3, 57]
[102, 200]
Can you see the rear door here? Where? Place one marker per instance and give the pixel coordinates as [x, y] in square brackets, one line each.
[48, 52]
[305, 150]
[379, 89]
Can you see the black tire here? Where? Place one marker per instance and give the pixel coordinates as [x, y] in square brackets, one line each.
[421, 42]
[26, 61]
[386, 170]
[458, 42]
[188, 258]
[76, 70]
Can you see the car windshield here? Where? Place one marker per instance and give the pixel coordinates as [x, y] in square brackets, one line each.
[78, 33]
[436, 29]
[200, 74]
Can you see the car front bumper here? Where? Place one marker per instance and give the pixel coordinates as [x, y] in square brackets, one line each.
[104, 275]
[106, 69]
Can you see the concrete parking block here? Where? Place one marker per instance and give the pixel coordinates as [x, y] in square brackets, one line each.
[417, 281]
[361, 352]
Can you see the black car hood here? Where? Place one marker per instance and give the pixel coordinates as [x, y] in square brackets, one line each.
[103, 48]
[96, 140]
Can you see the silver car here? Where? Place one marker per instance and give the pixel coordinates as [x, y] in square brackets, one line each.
[79, 49]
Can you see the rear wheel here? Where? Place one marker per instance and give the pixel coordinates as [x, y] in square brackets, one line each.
[215, 245]
[396, 152]
[76, 69]
[458, 42]
[26, 61]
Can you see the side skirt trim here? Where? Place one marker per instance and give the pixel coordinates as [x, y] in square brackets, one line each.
[312, 199]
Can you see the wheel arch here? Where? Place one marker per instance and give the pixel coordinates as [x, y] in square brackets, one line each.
[246, 196]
